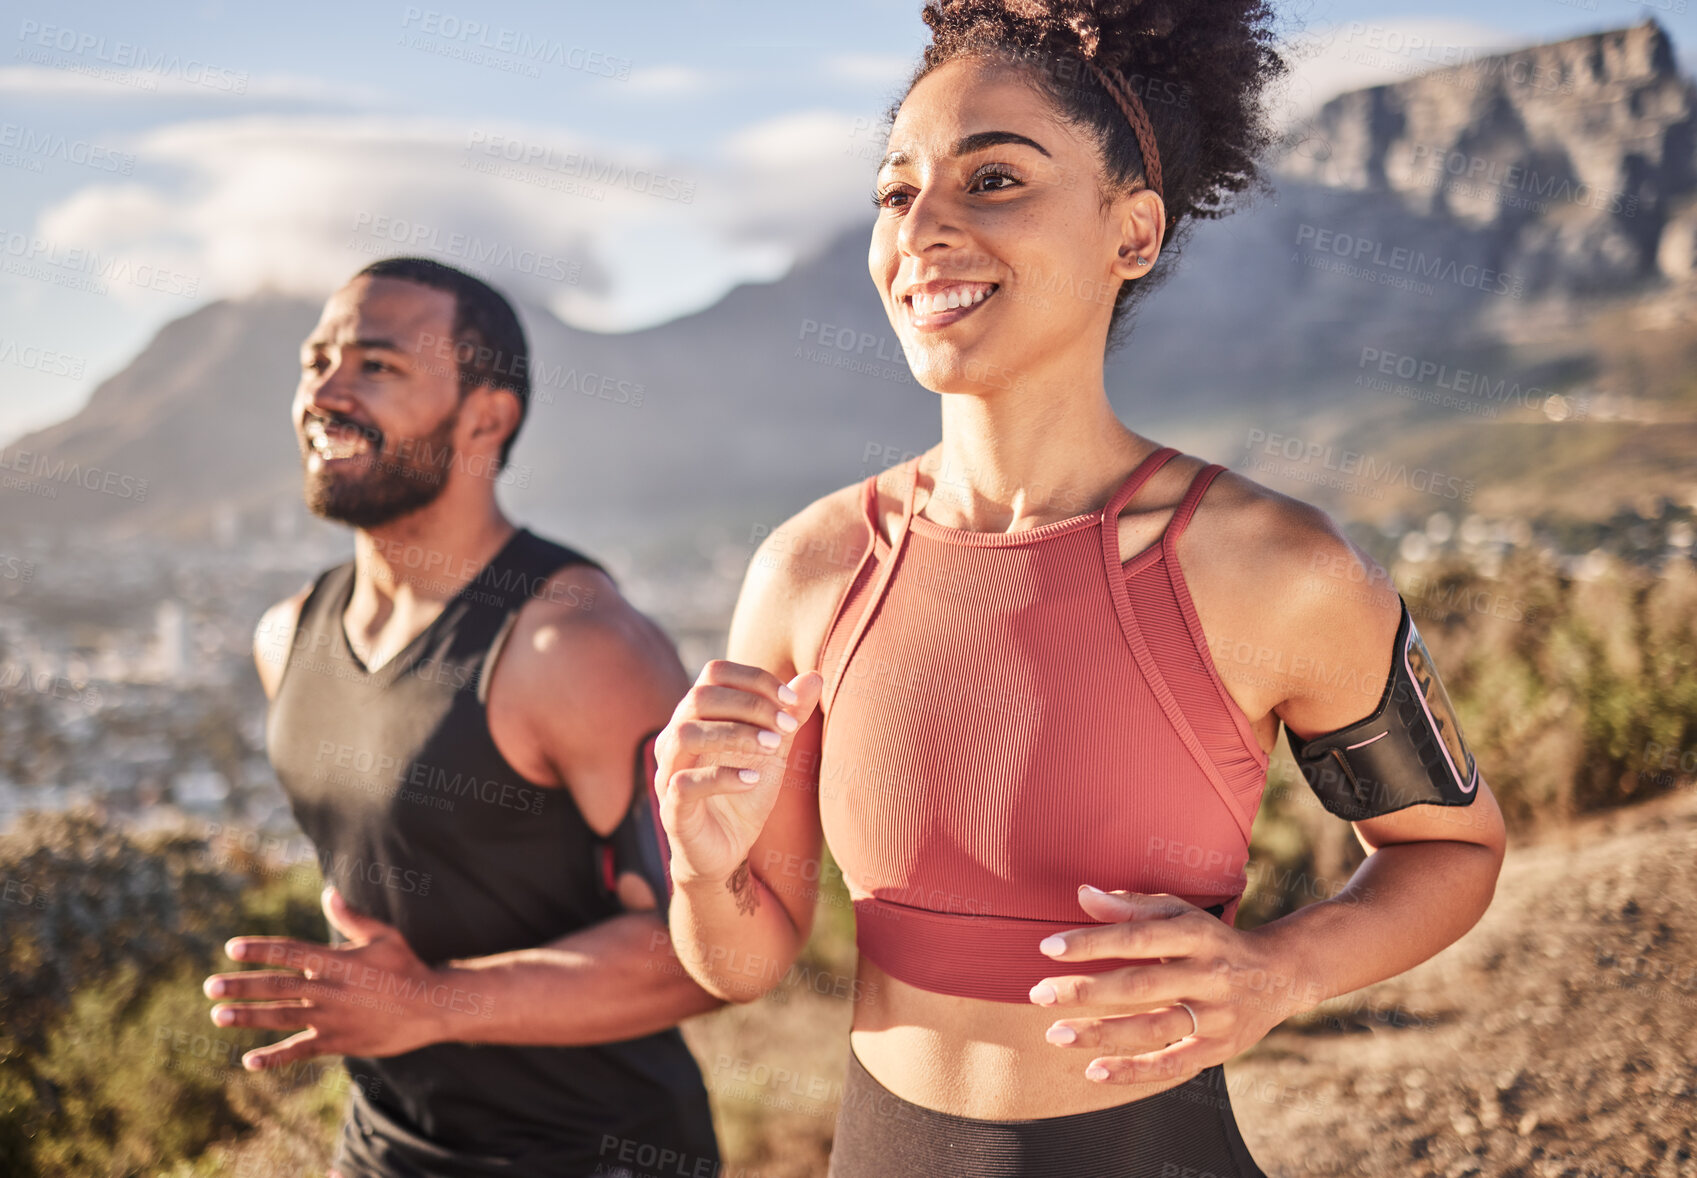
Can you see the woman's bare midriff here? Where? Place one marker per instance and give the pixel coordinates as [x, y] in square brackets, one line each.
[975, 1058]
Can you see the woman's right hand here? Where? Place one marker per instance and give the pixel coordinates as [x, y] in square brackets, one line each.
[735, 719]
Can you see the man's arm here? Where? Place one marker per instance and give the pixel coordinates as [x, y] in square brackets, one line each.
[617, 979]
[583, 678]
[1431, 870]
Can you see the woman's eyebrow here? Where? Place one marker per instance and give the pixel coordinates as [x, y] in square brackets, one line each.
[982, 139]
[967, 144]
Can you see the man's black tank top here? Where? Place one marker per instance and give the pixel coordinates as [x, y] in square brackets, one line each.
[420, 821]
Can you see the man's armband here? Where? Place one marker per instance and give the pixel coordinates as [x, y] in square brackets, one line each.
[638, 844]
[1409, 751]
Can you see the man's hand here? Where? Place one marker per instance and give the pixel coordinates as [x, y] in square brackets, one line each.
[370, 997]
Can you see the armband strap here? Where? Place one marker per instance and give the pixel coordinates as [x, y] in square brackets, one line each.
[1409, 751]
[638, 844]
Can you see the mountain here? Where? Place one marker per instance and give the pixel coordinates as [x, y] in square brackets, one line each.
[199, 418]
[1468, 219]
[1575, 157]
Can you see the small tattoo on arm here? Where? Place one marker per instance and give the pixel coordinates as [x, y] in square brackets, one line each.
[741, 885]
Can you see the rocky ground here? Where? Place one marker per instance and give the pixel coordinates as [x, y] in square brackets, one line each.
[1557, 1038]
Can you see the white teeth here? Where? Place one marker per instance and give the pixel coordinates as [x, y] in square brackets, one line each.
[345, 444]
[934, 302]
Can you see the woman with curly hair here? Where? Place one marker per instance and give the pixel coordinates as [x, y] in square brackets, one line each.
[1038, 749]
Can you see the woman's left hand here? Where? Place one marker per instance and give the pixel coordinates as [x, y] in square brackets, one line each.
[1238, 988]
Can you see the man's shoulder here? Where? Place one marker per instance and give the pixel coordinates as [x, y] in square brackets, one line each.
[574, 626]
[582, 668]
[274, 635]
[564, 584]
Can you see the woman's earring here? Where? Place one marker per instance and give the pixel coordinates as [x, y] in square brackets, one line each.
[1142, 261]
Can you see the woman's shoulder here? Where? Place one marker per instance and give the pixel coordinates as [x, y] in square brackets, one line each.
[826, 536]
[841, 524]
[1275, 539]
[1236, 524]
[1272, 569]
[800, 570]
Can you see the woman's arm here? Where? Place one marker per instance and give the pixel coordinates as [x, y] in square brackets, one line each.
[738, 930]
[1429, 875]
[1431, 870]
[742, 904]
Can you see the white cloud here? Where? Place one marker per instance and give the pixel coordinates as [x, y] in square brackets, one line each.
[783, 140]
[299, 202]
[113, 84]
[115, 213]
[670, 81]
[308, 89]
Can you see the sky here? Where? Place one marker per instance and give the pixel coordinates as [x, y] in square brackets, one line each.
[622, 164]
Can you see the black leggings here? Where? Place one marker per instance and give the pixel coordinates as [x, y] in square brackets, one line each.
[1188, 1131]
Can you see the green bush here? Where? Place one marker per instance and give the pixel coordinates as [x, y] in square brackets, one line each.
[109, 1063]
[86, 899]
[1569, 709]
[139, 1075]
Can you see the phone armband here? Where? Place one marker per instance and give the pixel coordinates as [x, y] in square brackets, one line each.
[1408, 752]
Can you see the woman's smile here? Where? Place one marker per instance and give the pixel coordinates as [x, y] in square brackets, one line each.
[932, 306]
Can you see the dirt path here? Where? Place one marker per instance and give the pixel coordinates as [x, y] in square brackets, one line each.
[1558, 1037]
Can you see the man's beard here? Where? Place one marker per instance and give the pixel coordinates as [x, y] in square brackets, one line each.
[391, 485]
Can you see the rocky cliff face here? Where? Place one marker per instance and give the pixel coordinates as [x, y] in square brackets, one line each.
[1575, 156]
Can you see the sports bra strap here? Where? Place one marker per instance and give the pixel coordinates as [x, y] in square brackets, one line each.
[869, 508]
[912, 490]
[869, 504]
[881, 579]
[1140, 474]
[1187, 507]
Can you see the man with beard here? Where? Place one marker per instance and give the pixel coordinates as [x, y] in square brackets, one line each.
[462, 718]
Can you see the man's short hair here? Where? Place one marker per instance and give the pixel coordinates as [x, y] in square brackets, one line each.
[489, 344]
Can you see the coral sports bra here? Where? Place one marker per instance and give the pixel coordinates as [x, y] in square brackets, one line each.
[1007, 716]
